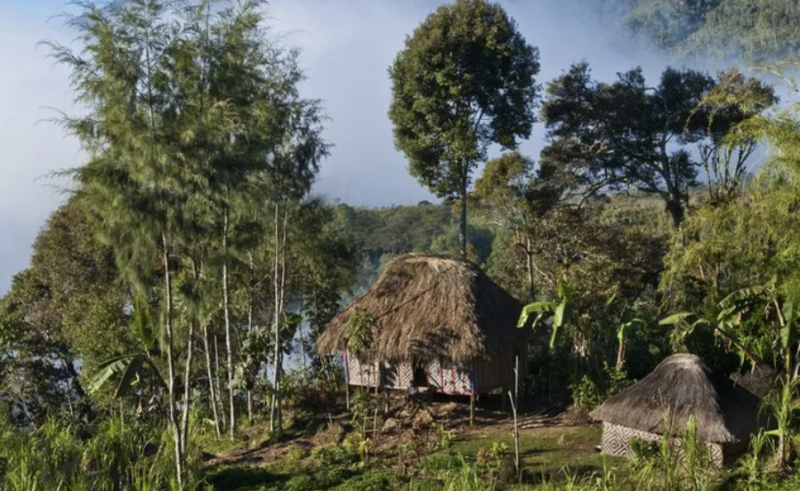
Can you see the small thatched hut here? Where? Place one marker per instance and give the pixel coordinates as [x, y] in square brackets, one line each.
[439, 322]
[662, 402]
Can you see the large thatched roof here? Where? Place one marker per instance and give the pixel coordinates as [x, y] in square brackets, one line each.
[432, 307]
[680, 386]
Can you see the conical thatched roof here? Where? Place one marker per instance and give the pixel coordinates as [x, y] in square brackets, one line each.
[680, 386]
[430, 307]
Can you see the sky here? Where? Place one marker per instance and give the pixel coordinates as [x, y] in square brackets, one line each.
[347, 46]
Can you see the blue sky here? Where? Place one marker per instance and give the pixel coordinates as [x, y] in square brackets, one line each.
[347, 47]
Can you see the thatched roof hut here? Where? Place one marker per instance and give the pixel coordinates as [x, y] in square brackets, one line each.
[662, 402]
[433, 308]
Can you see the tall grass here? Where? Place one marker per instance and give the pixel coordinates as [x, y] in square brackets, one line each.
[116, 457]
[676, 464]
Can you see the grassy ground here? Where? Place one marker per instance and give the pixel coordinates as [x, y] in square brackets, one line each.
[545, 450]
[551, 452]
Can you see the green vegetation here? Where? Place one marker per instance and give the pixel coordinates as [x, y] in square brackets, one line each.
[163, 335]
[756, 31]
[464, 81]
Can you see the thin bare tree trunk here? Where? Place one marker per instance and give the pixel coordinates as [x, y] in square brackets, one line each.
[514, 402]
[621, 355]
[212, 393]
[226, 310]
[171, 362]
[277, 322]
[249, 331]
[187, 378]
[529, 257]
[279, 358]
[223, 419]
[463, 220]
[302, 343]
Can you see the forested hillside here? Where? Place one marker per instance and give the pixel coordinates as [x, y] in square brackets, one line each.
[715, 29]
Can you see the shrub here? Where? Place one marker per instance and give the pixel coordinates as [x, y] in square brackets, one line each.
[588, 394]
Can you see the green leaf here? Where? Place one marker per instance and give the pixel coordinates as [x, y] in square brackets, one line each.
[745, 295]
[675, 319]
[789, 330]
[539, 308]
[128, 376]
[622, 332]
[788, 311]
[292, 320]
[108, 369]
[562, 313]
[554, 335]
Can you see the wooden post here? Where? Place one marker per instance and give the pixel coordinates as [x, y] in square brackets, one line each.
[472, 408]
[346, 381]
[514, 401]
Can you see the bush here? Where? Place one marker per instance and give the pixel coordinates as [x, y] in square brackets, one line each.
[587, 394]
[369, 481]
[441, 462]
[333, 455]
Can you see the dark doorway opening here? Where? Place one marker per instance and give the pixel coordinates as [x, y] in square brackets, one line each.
[420, 375]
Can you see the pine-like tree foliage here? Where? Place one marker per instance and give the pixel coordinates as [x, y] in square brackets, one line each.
[192, 118]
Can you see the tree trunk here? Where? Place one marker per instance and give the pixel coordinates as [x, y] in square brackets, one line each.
[273, 427]
[514, 402]
[302, 343]
[529, 257]
[223, 420]
[463, 218]
[171, 362]
[212, 393]
[281, 306]
[226, 310]
[249, 331]
[187, 378]
[675, 208]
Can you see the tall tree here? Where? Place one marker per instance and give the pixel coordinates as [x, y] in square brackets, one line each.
[184, 107]
[508, 193]
[628, 133]
[464, 81]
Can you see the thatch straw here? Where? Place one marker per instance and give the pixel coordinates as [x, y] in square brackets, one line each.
[429, 307]
[681, 386]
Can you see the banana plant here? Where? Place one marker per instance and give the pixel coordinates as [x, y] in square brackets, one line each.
[622, 336]
[733, 308]
[560, 310]
[130, 368]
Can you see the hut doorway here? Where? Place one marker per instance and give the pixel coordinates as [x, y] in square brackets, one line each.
[420, 376]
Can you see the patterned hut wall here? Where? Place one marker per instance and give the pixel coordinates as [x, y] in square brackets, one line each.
[617, 440]
[360, 373]
[399, 376]
[364, 374]
[449, 379]
[435, 376]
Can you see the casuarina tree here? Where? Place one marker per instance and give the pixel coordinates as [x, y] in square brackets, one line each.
[464, 81]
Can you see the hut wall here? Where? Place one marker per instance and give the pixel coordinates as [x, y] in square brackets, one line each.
[485, 377]
[358, 372]
[449, 379]
[364, 374]
[617, 440]
[498, 373]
